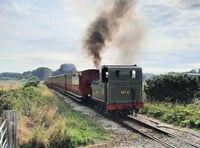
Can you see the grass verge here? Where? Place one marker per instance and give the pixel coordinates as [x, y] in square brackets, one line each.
[45, 120]
[181, 115]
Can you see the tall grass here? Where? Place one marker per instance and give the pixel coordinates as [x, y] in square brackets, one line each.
[45, 120]
[10, 84]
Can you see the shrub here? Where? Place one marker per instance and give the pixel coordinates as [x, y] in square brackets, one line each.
[59, 140]
[33, 144]
[185, 116]
[170, 88]
[33, 81]
[5, 104]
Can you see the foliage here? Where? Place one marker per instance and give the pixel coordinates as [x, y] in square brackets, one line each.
[33, 144]
[27, 74]
[18, 99]
[45, 120]
[5, 104]
[171, 88]
[146, 76]
[65, 68]
[188, 115]
[33, 81]
[42, 72]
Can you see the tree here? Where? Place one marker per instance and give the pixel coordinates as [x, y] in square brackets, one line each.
[42, 72]
[27, 74]
[65, 68]
[34, 81]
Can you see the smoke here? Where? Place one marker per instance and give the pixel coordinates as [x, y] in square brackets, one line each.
[127, 41]
[105, 28]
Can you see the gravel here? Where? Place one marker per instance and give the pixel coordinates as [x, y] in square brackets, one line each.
[123, 137]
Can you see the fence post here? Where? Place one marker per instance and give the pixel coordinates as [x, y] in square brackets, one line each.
[11, 117]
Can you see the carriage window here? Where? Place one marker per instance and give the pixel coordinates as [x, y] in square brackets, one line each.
[105, 75]
[133, 74]
[117, 73]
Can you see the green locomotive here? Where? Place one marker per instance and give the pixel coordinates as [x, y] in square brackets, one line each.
[119, 88]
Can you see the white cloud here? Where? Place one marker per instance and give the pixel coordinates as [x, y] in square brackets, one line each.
[50, 32]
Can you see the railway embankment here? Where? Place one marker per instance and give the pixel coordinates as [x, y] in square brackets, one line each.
[170, 135]
[45, 120]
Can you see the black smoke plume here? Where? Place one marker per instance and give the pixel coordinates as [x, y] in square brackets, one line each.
[101, 31]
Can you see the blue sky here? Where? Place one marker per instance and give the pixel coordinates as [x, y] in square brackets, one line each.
[48, 33]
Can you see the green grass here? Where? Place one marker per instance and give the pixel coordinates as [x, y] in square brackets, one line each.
[135, 136]
[45, 120]
[181, 115]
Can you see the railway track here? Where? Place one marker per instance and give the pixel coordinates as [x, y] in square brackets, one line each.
[67, 93]
[165, 138]
[180, 140]
[144, 132]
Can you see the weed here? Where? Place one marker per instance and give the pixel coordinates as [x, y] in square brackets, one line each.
[47, 121]
[182, 115]
[135, 136]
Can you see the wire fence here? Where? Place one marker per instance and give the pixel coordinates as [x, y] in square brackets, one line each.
[4, 135]
[8, 129]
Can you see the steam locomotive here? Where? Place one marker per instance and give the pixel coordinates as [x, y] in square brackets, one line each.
[113, 88]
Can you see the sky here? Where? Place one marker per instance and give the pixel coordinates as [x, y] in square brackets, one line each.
[48, 33]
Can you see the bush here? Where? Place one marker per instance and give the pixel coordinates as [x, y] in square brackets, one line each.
[34, 81]
[169, 88]
[59, 140]
[33, 144]
[5, 104]
[47, 121]
[185, 116]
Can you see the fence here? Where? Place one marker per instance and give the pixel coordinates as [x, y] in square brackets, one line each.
[8, 129]
[3, 135]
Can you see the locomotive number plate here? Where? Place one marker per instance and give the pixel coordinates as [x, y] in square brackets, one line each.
[124, 92]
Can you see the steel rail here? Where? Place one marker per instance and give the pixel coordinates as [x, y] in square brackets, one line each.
[66, 93]
[120, 122]
[195, 144]
[146, 135]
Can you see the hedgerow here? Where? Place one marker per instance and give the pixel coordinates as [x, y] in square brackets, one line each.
[172, 88]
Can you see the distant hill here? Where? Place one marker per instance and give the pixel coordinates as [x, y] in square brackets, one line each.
[43, 72]
[40, 72]
[10, 75]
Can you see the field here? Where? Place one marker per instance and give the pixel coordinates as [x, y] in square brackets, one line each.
[10, 84]
[44, 119]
